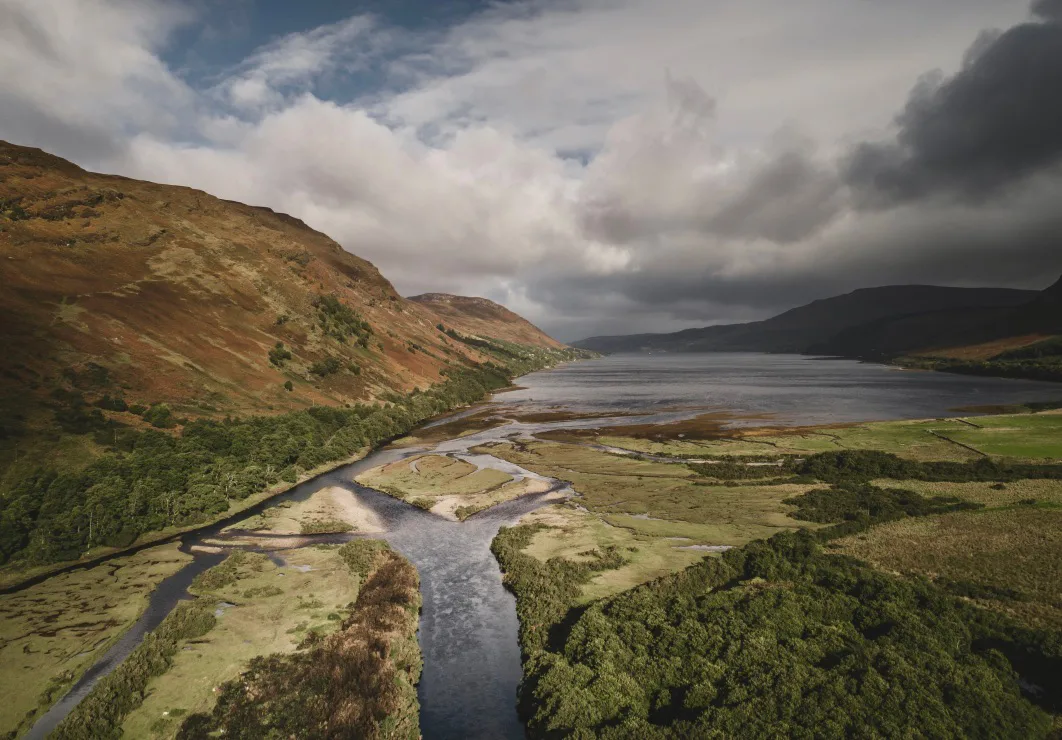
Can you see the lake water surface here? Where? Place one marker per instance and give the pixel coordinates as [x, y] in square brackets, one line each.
[794, 388]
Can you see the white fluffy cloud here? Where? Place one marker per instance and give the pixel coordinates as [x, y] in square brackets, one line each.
[599, 165]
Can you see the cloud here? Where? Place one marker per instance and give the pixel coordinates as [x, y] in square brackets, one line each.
[994, 123]
[599, 166]
[1050, 10]
[291, 64]
[76, 73]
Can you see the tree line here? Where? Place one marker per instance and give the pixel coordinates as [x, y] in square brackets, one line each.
[154, 479]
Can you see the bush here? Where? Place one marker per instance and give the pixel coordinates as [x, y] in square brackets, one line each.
[279, 354]
[160, 416]
[326, 367]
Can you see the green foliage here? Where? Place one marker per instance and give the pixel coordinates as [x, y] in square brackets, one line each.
[325, 367]
[339, 321]
[545, 591]
[73, 414]
[361, 556]
[1047, 348]
[730, 469]
[279, 354]
[160, 416]
[289, 386]
[852, 502]
[781, 639]
[862, 465]
[112, 404]
[157, 480]
[228, 572]
[330, 526]
[99, 715]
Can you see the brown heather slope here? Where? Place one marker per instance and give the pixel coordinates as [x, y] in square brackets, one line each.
[162, 293]
[481, 317]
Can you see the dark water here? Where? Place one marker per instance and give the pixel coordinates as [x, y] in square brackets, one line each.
[468, 627]
[794, 388]
[468, 624]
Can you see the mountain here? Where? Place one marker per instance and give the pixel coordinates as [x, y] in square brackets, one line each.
[118, 288]
[480, 316]
[980, 333]
[805, 327]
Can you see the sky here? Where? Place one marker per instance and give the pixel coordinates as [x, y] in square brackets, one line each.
[599, 166]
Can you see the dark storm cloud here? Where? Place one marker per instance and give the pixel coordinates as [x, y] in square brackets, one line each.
[997, 121]
[1048, 9]
[787, 200]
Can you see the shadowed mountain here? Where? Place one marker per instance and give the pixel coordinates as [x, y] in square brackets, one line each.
[819, 322]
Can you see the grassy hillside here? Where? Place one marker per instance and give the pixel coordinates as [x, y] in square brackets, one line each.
[170, 356]
[482, 317]
[121, 293]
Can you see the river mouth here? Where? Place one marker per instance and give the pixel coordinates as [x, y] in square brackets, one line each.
[468, 629]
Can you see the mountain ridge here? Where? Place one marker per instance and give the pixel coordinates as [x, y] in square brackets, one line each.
[801, 328]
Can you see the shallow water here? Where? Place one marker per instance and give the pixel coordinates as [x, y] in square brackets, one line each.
[468, 627]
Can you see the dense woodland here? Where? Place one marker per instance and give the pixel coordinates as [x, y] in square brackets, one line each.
[184, 473]
[783, 638]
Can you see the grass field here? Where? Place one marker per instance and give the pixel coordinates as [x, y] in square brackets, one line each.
[1025, 436]
[612, 485]
[51, 633]
[1015, 551]
[648, 510]
[447, 486]
[273, 609]
[573, 531]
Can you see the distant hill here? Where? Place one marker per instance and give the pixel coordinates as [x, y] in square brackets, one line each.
[818, 323]
[480, 316]
[952, 333]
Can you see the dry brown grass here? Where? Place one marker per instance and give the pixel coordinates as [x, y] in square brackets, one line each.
[1015, 548]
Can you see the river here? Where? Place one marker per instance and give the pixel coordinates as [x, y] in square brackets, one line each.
[468, 627]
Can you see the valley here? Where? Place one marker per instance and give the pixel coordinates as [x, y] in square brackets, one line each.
[584, 512]
[247, 489]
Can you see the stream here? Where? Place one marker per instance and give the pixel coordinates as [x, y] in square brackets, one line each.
[468, 626]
